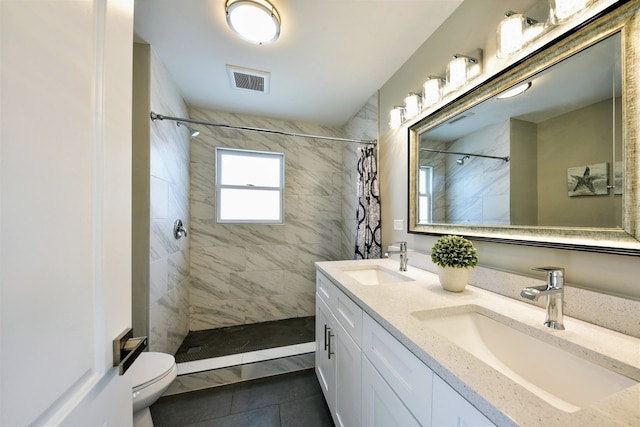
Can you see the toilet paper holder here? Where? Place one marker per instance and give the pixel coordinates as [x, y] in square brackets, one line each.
[126, 349]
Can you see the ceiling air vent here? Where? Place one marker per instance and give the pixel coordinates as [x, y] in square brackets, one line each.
[463, 116]
[245, 78]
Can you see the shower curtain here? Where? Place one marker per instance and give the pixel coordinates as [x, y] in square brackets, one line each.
[368, 244]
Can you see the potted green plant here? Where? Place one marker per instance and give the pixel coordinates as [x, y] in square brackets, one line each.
[454, 256]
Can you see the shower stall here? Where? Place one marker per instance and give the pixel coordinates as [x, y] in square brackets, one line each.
[231, 275]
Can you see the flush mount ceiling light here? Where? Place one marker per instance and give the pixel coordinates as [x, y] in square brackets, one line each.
[255, 21]
[514, 91]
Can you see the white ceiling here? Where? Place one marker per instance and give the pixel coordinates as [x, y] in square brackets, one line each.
[332, 55]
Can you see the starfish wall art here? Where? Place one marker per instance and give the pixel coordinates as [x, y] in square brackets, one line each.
[589, 180]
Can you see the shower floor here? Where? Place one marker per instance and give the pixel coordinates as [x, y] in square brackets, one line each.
[212, 343]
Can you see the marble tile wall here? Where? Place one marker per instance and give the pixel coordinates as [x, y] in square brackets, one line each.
[478, 191]
[248, 273]
[253, 273]
[169, 279]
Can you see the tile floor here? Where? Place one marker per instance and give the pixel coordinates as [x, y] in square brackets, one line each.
[293, 399]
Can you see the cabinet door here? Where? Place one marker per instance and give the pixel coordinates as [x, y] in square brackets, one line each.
[348, 377]
[451, 409]
[381, 407]
[325, 366]
[407, 376]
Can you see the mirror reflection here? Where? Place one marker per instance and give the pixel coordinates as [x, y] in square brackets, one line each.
[550, 156]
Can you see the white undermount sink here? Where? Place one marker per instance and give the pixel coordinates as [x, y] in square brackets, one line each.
[375, 275]
[562, 379]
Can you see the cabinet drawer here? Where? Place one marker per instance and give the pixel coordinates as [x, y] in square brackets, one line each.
[404, 372]
[324, 288]
[346, 312]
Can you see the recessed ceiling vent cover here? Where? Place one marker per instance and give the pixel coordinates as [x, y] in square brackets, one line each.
[245, 78]
[464, 116]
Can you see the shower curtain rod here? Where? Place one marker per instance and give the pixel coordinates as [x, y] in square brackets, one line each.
[504, 159]
[155, 117]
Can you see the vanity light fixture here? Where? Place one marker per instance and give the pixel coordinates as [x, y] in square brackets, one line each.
[563, 10]
[461, 69]
[412, 105]
[256, 21]
[514, 91]
[396, 117]
[514, 32]
[432, 90]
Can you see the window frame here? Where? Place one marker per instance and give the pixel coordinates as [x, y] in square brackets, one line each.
[219, 187]
[428, 194]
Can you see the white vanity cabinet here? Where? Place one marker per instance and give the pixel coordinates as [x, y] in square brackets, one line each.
[369, 378]
[402, 375]
[338, 354]
[381, 407]
[451, 409]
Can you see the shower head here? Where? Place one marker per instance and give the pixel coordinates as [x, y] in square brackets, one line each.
[192, 132]
[461, 160]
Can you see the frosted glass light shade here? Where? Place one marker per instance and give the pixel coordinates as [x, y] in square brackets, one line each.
[533, 31]
[457, 72]
[412, 105]
[431, 91]
[255, 21]
[396, 117]
[515, 32]
[510, 35]
[562, 10]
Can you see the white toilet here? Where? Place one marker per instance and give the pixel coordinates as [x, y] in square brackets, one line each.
[151, 375]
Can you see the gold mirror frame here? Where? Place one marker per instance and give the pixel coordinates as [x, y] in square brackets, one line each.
[623, 18]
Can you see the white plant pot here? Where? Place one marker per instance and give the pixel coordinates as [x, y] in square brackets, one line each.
[453, 279]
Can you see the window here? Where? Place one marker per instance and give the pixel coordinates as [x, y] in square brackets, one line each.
[425, 203]
[249, 186]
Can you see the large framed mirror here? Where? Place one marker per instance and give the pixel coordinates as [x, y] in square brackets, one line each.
[555, 166]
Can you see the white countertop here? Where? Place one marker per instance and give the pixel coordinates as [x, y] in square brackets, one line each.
[499, 398]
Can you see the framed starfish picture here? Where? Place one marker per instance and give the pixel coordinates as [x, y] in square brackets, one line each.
[589, 180]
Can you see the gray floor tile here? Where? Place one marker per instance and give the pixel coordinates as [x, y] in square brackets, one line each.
[293, 399]
[274, 390]
[308, 412]
[192, 407]
[264, 417]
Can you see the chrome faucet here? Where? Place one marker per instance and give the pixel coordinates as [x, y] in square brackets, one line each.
[554, 291]
[403, 255]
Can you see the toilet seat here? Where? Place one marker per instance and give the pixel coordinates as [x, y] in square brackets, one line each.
[150, 368]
